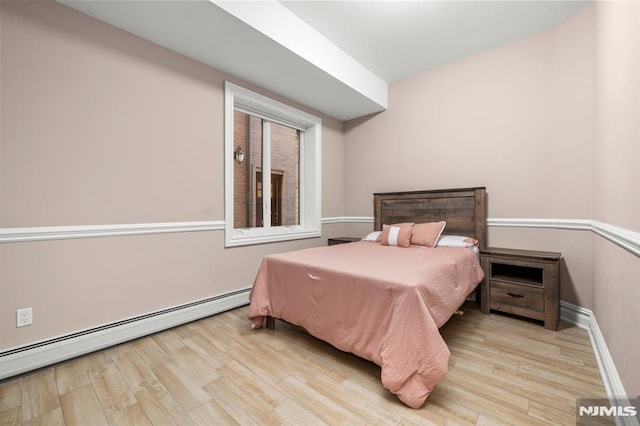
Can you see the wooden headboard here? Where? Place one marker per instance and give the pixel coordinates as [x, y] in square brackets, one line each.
[465, 210]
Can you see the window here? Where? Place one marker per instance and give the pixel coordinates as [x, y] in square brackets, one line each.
[272, 170]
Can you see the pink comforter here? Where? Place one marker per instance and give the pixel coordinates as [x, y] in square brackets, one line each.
[382, 303]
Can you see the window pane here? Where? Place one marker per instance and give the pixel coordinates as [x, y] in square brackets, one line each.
[283, 186]
[247, 186]
[285, 175]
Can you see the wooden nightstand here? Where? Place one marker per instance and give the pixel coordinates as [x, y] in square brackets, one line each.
[342, 240]
[523, 282]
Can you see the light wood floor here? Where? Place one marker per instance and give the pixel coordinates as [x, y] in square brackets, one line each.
[217, 371]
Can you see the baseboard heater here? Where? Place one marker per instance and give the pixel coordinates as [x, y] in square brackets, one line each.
[40, 354]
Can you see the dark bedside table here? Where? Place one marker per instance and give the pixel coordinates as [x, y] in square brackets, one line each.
[342, 240]
[523, 282]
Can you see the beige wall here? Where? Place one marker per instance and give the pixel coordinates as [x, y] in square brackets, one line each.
[550, 125]
[102, 127]
[617, 182]
[511, 119]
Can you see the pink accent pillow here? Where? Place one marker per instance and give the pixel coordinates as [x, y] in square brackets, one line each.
[396, 235]
[399, 225]
[426, 234]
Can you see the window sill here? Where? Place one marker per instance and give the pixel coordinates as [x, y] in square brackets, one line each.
[250, 237]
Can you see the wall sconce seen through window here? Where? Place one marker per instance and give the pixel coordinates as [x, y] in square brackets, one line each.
[238, 154]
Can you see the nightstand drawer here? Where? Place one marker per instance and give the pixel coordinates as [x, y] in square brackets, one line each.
[514, 298]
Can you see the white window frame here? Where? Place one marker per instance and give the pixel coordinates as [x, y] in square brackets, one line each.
[310, 202]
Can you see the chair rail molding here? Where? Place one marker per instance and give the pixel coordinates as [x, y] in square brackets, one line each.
[625, 238]
[575, 224]
[347, 219]
[43, 233]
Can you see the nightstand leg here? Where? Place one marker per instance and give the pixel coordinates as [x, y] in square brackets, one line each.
[484, 286]
[484, 296]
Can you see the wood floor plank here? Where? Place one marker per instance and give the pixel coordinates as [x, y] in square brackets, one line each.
[80, 406]
[213, 335]
[112, 390]
[39, 394]
[561, 378]
[273, 373]
[96, 361]
[316, 403]
[153, 354]
[551, 415]
[212, 413]
[506, 343]
[11, 395]
[184, 389]
[300, 370]
[164, 410]
[11, 416]
[51, 418]
[455, 414]
[133, 415]
[138, 375]
[567, 368]
[207, 350]
[482, 359]
[492, 390]
[291, 413]
[11, 403]
[201, 371]
[488, 421]
[240, 405]
[512, 384]
[254, 386]
[71, 375]
[544, 385]
[588, 358]
[320, 356]
[168, 340]
[489, 407]
[363, 408]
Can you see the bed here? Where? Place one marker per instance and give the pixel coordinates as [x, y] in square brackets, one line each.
[383, 303]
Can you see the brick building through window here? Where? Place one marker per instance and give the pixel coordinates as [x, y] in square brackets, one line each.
[250, 134]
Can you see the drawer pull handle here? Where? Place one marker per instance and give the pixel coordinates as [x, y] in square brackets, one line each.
[515, 295]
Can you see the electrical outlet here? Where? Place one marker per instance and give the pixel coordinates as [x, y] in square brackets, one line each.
[24, 317]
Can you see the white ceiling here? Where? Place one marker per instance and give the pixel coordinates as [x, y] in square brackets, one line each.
[398, 39]
[334, 56]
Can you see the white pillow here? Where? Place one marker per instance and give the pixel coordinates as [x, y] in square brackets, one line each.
[372, 236]
[455, 241]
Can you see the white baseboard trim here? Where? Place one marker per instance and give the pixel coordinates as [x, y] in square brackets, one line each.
[40, 354]
[585, 319]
